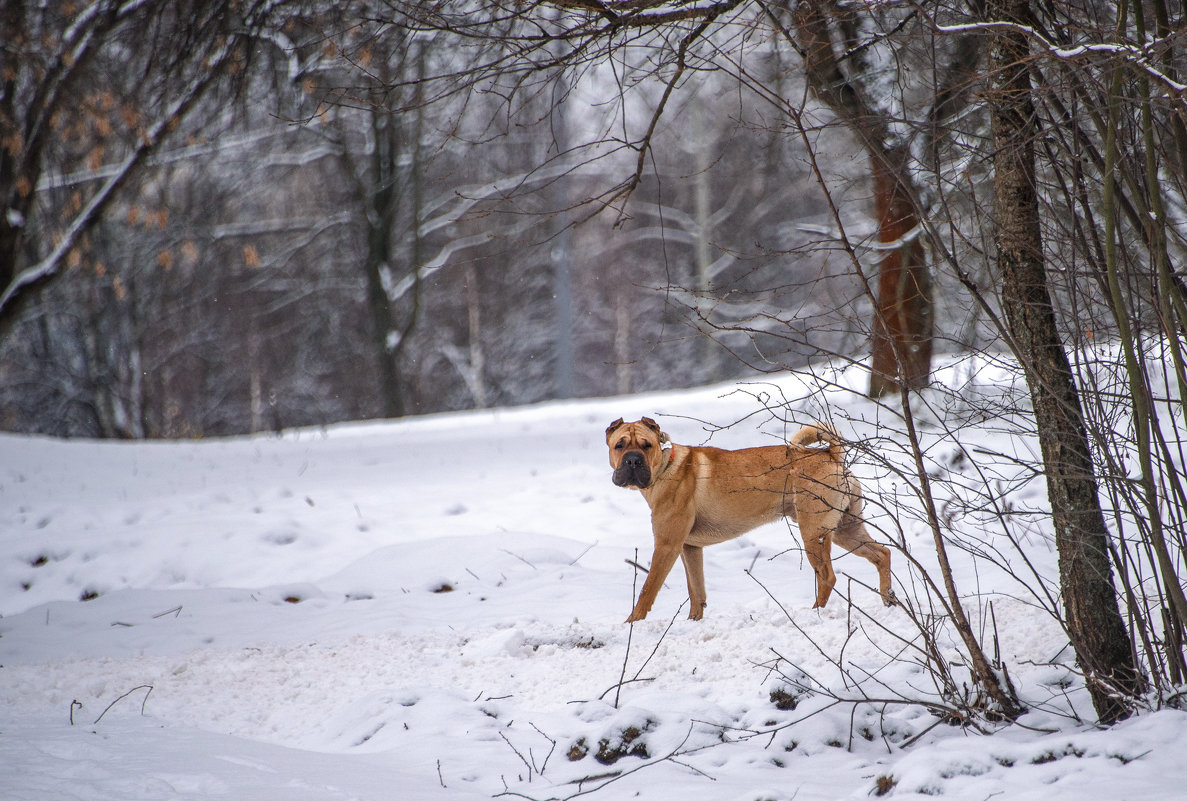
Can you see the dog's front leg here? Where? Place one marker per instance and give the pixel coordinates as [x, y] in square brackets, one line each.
[670, 533]
[694, 571]
[661, 564]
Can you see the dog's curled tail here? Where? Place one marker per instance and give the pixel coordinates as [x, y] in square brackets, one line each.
[820, 432]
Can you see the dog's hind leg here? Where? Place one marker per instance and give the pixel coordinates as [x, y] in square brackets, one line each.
[818, 547]
[851, 535]
[818, 516]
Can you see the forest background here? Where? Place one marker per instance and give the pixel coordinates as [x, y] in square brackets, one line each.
[232, 217]
[312, 240]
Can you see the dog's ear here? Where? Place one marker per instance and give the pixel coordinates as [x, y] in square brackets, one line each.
[612, 426]
[664, 439]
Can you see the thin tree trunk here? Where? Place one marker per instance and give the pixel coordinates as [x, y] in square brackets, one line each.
[1081, 536]
[403, 333]
[476, 375]
[381, 214]
[564, 322]
[622, 343]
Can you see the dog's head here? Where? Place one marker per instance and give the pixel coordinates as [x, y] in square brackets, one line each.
[636, 452]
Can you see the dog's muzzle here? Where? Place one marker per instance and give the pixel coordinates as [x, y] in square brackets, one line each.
[633, 471]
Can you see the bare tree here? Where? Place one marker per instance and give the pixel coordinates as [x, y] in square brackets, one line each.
[59, 114]
[902, 335]
[379, 146]
[1090, 599]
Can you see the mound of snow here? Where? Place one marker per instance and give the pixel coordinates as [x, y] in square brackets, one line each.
[433, 609]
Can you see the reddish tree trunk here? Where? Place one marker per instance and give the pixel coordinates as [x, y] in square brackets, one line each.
[902, 326]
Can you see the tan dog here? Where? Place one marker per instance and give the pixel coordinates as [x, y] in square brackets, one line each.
[701, 496]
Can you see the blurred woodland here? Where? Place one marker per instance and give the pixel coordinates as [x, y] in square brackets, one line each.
[224, 217]
[322, 234]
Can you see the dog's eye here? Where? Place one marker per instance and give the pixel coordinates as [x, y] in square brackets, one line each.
[620, 446]
[646, 446]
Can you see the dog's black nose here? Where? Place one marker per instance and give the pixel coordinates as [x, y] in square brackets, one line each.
[633, 459]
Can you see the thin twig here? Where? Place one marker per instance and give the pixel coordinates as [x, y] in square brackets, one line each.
[660, 640]
[629, 635]
[544, 767]
[520, 558]
[148, 687]
[515, 750]
[577, 559]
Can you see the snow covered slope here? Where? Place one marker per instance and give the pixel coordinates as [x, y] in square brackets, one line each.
[433, 609]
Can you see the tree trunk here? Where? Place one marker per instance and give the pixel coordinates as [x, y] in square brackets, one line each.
[381, 208]
[902, 341]
[1081, 536]
[564, 322]
[476, 375]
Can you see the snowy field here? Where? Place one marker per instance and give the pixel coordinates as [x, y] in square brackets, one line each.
[432, 609]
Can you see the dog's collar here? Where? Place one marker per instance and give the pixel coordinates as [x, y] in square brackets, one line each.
[667, 446]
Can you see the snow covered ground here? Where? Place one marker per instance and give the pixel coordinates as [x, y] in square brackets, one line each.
[433, 609]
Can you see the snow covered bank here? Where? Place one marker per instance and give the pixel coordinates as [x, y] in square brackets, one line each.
[433, 609]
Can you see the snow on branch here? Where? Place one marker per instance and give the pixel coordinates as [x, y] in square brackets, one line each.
[401, 287]
[647, 13]
[206, 149]
[833, 233]
[467, 198]
[1133, 55]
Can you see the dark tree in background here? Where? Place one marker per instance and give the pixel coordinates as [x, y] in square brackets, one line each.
[1086, 575]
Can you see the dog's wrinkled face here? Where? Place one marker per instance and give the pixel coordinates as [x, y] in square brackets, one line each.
[636, 451]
